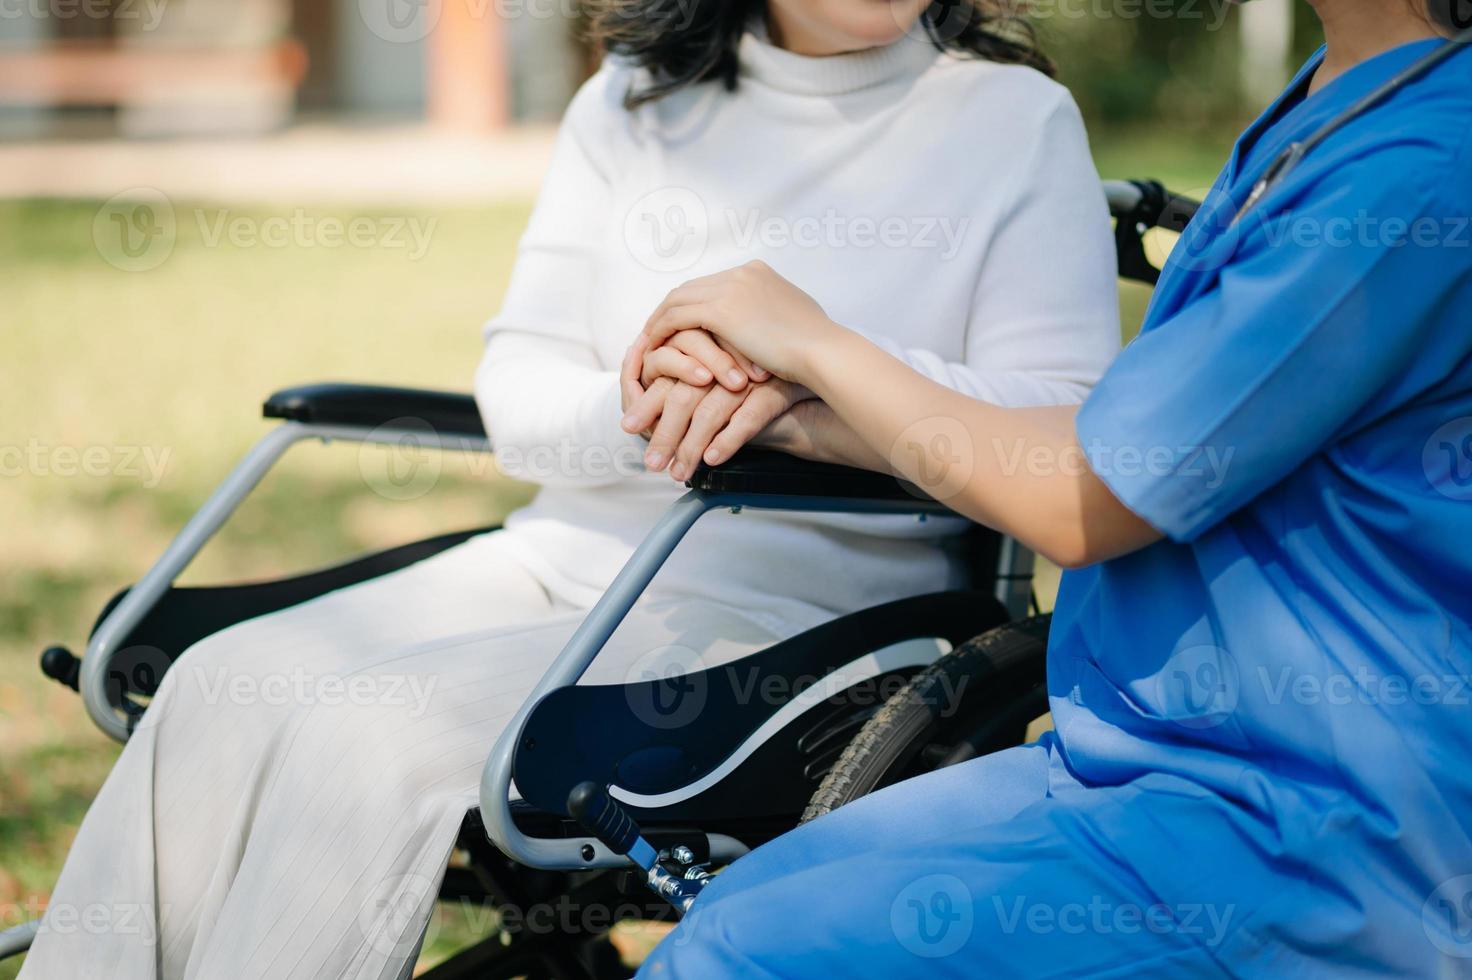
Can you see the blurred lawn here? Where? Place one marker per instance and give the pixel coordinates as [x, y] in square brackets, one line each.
[176, 361]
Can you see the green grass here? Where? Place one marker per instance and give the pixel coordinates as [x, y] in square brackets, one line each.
[176, 360]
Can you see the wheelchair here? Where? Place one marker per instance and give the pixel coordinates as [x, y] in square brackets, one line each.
[630, 792]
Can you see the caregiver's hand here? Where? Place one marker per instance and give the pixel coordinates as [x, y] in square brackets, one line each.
[752, 309]
[688, 424]
[691, 356]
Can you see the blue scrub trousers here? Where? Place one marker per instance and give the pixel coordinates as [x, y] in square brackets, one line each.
[936, 878]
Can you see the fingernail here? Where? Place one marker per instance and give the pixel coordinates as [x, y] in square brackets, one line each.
[735, 377]
[712, 457]
[652, 459]
[629, 422]
[702, 375]
[678, 471]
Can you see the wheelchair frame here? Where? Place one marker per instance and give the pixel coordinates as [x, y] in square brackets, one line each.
[1137, 206]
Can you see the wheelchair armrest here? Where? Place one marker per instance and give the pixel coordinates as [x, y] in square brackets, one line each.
[370, 406]
[765, 472]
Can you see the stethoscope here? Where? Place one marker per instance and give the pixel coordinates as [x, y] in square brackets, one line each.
[1285, 162]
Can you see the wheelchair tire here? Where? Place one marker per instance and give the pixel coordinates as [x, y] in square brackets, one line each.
[978, 699]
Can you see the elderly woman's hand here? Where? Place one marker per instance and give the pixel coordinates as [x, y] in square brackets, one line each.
[687, 424]
[753, 310]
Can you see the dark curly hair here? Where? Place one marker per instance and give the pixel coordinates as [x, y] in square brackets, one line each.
[684, 42]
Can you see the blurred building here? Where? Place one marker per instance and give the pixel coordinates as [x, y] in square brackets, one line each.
[221, 67]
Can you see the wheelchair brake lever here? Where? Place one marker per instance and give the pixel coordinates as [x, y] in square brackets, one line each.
[601, 815]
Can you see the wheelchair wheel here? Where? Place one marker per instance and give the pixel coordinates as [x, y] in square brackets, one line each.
[977, 699]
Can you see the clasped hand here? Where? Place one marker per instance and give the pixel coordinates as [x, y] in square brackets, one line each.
[688, 386]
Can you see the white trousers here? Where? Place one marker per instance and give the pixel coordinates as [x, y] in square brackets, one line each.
[287, 807]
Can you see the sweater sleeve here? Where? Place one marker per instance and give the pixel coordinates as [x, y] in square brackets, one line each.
[1044, 321]
[551, 407]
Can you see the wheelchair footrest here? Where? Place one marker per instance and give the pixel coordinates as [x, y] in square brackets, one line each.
[673, 875]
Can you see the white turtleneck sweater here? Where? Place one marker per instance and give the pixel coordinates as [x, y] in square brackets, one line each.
[945, 207]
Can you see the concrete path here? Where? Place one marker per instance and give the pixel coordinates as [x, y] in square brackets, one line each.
[307, 164]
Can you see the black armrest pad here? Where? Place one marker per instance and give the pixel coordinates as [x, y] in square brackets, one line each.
[374, 405]
[769, 473]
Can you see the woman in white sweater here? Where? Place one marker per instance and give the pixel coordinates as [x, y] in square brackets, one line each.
[918, 185]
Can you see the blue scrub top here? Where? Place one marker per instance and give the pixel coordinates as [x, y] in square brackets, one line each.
[1296, 417]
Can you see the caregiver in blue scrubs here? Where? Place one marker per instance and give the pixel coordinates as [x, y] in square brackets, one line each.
[1259, 665]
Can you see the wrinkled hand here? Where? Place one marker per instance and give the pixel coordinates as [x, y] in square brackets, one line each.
[687, 424]
[752, 310]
